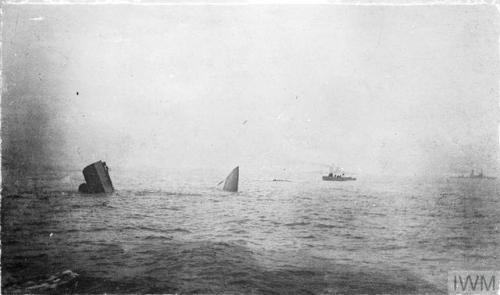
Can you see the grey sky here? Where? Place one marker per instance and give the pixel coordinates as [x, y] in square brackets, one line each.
[375, 89]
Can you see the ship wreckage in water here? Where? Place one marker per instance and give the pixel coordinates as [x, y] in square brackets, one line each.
[231, 183]
[97, 179]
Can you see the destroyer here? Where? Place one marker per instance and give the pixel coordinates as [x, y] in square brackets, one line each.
[337, 174]
[337, 177]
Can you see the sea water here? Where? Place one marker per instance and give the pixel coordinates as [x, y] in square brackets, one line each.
[165, 234]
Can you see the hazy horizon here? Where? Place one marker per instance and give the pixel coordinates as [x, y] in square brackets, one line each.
[375, 90]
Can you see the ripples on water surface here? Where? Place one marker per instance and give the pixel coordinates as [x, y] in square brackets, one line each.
[305, 236]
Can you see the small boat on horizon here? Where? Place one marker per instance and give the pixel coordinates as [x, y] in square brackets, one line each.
[281, 180]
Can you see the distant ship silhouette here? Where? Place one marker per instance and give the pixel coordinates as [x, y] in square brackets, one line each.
[476, 176]
[338, 176]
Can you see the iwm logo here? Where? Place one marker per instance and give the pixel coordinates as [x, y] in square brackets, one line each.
[473, 282]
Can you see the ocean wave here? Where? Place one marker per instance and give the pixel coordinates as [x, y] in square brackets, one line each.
[297, 224]
[144, 193]
[51, 284]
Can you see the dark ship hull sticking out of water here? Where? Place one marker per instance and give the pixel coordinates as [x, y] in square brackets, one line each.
[231, 183]
[97, 179]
